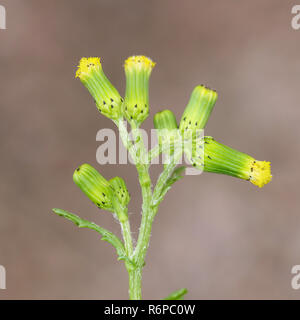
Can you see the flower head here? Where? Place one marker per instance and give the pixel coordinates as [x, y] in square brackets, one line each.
[106, 96]
[137, 70]
[94, 185]
[139, 63]
[86, 66]
[198, 110]
[219, 158]
[260, 173]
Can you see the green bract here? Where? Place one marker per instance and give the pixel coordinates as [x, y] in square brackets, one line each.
[95, 187]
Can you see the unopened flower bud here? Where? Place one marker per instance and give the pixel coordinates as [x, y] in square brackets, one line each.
[95, 187]
[198, 110]
[166, 127]
[165, 119]
[136, 105]
[106, 96]
[120, 190]
[219, 158]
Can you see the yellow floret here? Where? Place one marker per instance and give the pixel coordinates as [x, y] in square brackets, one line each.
[86, 65]
[139, 61]
[260, 173]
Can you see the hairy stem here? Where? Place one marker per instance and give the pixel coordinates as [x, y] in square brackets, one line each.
[164, 176]
[139, 154]
[135, 284]
[145, 182]
[125, 226]
[141, 159]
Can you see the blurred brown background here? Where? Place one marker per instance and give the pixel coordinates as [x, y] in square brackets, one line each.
[220, 237]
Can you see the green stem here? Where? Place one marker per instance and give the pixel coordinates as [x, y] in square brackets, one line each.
[164, 176]
[125, 226]
[135, 284]
[145, 182]
[144, 237]
[125, 139]
[141, 159]
[139, 154]
[154, 152]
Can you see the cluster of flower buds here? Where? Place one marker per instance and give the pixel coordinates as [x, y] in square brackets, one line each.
[110, 195]
[207, 154]
[204, 153]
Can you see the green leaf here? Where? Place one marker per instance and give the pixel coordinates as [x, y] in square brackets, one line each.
[177, 295]
[106, 235]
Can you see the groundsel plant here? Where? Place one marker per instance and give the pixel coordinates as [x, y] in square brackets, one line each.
[174, 141]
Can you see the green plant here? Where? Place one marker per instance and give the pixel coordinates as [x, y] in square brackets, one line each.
[204, 153]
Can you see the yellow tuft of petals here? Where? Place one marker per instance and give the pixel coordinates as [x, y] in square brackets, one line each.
[86, 65]
[260, 173]
[139, 61]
